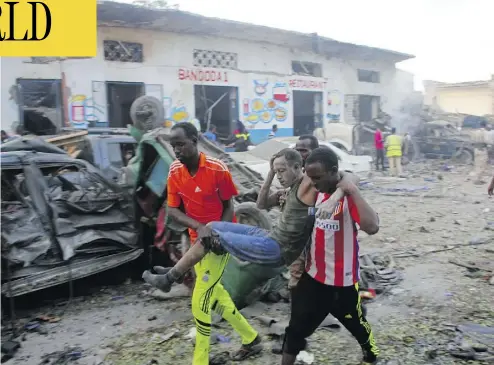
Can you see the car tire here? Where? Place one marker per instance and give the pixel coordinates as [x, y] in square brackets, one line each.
[249, 213]
[150, 104]
[465, 156]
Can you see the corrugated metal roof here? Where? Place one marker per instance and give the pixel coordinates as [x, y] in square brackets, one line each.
[112, 13]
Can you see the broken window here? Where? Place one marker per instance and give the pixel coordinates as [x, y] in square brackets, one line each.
[368, 76]
[123, 51]
[120, 154]
[40, 105]
[306, 68]
[215, 59]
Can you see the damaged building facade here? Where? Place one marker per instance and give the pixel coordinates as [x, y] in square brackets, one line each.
[205, 68]
[471, 97]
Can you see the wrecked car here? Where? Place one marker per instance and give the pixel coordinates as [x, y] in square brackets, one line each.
[62, 220]
[440, 139]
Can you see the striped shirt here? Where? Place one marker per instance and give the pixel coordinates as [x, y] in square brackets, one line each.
[333, 255]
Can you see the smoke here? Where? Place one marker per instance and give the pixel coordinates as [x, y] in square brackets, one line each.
[410, 116]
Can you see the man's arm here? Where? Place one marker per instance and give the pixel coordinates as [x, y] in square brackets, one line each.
[367, 218]
[264, 199]
[227, 190]
[174, 201]
[361, 211]
[228, 211]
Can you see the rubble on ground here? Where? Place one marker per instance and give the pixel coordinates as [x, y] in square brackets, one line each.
[434, 260]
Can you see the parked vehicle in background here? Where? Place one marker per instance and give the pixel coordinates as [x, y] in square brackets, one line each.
[110, 150]
[62, 220]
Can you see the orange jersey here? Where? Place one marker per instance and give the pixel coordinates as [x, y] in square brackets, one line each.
[202, 194]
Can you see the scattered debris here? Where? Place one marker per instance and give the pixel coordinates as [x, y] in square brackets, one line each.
[62, 357]
[305, 358]
[160, 338]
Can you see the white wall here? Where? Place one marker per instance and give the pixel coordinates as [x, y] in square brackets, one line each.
[166, 53]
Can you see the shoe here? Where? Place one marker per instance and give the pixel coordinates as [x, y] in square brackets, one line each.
[369, 358]
[249, 350]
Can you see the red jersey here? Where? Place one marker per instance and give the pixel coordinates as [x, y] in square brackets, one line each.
[333, 255]
[202, 194]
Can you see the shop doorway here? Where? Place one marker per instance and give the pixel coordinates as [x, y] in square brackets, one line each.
[216, 105]
[121, 95]
[307, 111]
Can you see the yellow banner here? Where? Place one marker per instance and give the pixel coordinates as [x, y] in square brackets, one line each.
[48, 28]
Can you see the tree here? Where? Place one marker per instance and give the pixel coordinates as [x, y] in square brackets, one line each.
[156, 4]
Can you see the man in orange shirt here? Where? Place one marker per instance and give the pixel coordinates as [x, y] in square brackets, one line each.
[205, 187]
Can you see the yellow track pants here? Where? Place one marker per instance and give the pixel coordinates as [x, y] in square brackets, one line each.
[209, 295]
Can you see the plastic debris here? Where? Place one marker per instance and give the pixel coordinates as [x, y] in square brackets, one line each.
[160, 338]
[191, 334]
[305, 358]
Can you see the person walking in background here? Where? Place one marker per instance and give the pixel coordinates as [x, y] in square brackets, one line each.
[407, 140]
[481, 158]
[393, 145]
[240, 139]
[274, 129]
[379, 144]
[211, 134]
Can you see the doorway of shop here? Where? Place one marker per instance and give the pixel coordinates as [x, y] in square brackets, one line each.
[216, 105]
[121, 95]
[307, 111]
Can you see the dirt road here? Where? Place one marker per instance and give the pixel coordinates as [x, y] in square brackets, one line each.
[422, 218]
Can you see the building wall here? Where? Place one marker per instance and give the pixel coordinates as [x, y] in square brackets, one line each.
[466, 100]
[263, 79]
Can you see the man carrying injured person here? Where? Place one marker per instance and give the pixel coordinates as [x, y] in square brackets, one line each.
[329, 284]
[205, 187]
[278, 247]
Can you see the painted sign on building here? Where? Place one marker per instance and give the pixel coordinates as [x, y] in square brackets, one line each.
[310, 84]
[334, 105]
[202, 75]
[264, 103]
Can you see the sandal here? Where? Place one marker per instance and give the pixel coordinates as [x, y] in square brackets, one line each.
[249, 350]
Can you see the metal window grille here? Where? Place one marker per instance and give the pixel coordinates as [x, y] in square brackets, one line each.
[215, 59]
[123, 51]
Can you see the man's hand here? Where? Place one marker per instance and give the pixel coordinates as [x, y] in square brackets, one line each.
[326, 209]
[490, 189]
[348, 183]
[271, 173]
[203, 231]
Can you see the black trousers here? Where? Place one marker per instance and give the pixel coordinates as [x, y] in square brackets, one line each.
[313, 301]
[380, 159]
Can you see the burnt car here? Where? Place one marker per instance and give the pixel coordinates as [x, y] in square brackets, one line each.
[62, 220]
[440, 139]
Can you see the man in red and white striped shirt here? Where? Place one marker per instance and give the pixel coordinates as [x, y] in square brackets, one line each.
[330, 283]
